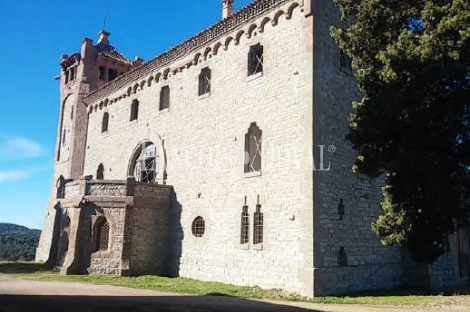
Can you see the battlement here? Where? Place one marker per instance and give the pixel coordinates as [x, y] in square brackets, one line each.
[216, 31]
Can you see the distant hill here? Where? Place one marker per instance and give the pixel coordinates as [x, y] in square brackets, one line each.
[17, 243]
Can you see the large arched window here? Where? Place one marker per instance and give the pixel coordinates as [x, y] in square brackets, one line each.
[146, 163]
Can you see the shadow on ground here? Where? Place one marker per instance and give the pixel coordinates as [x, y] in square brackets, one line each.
[27, 303]
[400, 292]
[20, 267]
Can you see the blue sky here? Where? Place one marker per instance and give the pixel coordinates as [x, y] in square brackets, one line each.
[34, 34]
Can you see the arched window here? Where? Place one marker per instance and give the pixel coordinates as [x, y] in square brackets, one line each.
[146, 163]
[100, 172]
[253, 155]
[102, 235]
[60, 185]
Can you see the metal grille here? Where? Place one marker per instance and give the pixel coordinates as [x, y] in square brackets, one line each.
[245, 226]
[103, 236]
[258, 226]
[198, 227]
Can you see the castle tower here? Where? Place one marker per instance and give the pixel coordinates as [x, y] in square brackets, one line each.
[81, 73]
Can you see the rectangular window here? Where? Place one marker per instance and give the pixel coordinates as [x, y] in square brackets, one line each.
[72, 74]
[165, 97]
[258, 226]
[102, 75]
[205, 81]
[255, 59]
[66, 74]
[104, 123]
[134, 110]
[112, 74]
[245, 226]
[253, 140]
[345, 61]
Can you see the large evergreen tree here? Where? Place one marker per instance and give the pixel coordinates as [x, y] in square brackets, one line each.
[412, 63]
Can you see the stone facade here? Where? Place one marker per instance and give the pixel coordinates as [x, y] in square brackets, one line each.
[313, 213]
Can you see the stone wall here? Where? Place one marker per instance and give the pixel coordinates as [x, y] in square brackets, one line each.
[201, 141]
[369, 265]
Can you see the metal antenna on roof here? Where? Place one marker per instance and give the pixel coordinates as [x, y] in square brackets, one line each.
[106, 18]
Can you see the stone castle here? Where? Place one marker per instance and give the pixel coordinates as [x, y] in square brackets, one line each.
[222, 159]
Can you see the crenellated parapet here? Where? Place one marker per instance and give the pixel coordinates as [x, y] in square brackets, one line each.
[209, 42]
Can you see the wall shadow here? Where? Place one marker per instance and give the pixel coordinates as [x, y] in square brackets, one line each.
[21, 267]
[60, 303]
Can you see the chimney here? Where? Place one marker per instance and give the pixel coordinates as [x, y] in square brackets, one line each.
[104, 37]
[227, 8]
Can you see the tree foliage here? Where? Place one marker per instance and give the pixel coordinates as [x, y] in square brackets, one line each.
[17, 243]
[412, 63]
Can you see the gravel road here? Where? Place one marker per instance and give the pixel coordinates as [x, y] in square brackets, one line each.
[19, 295]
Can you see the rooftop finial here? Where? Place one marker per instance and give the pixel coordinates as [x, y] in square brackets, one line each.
[227, 8]
[104, 37]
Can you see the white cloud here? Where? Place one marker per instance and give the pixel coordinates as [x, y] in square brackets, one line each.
[13, 175]
[14, 147]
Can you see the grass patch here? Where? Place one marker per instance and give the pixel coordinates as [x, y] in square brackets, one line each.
[452, 297]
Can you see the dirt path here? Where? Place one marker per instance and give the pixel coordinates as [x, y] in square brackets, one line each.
[18, 295]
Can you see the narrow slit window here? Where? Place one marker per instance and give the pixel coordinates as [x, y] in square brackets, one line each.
[100, 172]
[134, 110]
[112, 74]
[205, 81]
[102, 74]
[345, 61]
[255, 59]
[245, 226]
[165, 98]
[105, 122]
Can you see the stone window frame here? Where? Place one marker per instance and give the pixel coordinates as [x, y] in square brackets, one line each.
[205, 77]
[258, 226]
[253, 156]
[105, 122]
[198, 227]
[148, 163]
[245, 226]
[97, 224]
[255, 62]
[134, 116]
[165, 96]
[72, 112]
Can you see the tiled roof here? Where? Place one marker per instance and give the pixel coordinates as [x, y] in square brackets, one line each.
[110, 51]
